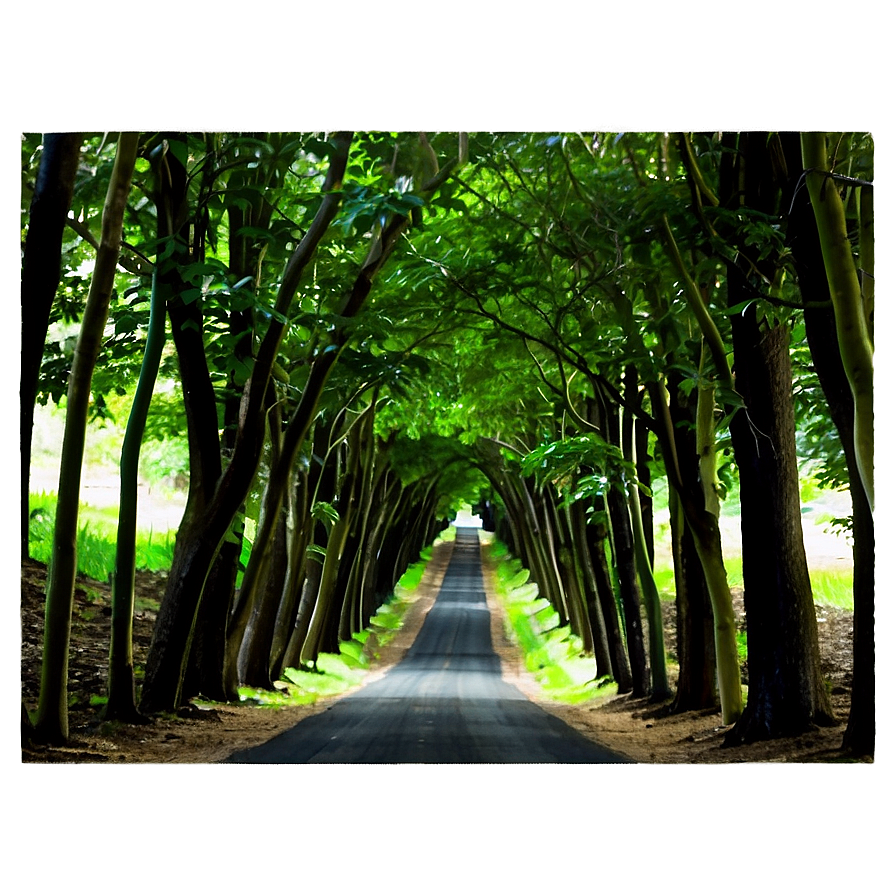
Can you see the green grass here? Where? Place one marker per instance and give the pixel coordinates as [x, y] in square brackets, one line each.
[96, 539]
[335, 673]
[832, 587]
[551, 652]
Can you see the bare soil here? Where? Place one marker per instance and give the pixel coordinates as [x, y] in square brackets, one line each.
[637, 728]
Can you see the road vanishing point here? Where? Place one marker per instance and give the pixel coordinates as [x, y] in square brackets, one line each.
[445, 702]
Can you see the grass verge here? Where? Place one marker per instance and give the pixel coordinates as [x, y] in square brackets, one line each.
[333, 673]
[550, 651]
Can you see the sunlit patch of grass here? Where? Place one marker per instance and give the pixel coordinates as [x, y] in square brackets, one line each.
[832, 587]
[664, 576]
[551, 652]
[96, 539]
[334, 674]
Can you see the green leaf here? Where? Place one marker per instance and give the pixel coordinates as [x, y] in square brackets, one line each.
[315, 552]
[324, 513]
[188, 296]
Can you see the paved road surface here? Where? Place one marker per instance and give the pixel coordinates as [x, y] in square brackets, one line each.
[444, 703]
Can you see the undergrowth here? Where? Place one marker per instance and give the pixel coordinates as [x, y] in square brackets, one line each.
[550, 651]
[334, 674]
[97, 534]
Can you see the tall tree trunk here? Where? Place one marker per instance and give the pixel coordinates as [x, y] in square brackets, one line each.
[704, 526]
[626, 569]
[299, 533]
[603, 662]
[206, 666]
[850, 312]
[659, 682]
[253, 661]
[787, 693]
[821, 333]
[622, 673]
[570, 574]
[51, 724]
[41, 260]
[696, 688]
[122, 704]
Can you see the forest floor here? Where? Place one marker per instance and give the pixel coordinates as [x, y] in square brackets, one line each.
[637, 728]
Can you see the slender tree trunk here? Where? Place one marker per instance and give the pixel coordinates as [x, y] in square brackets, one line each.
[821, 333]
[645, 499]
[622, 674]
[253, 660]
[696, 651]
[41, 260]
[603, 663]
[320, 619]
[51, 725]
[292, 656]
[850, 311]
[656, 642]
[570, 574]
[629, 591]
[122, 704]
[704, 526]
[298, 533]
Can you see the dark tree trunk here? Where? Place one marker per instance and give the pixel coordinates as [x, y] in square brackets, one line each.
[603, 662]
[41, 261]
[642, 456]
[629, 591]
[254, 656]
[205, 671]
[696, 687]
[695, 623]
[787, 694]
[292, 656]
[298, 537]
[622, 673]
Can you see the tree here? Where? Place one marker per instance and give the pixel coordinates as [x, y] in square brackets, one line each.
[50, 203]
[822, 337]
[207, 521]
[51, 724]
[852, 310]
[786, 691]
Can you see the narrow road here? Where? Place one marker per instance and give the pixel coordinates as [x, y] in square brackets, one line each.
[445, 702]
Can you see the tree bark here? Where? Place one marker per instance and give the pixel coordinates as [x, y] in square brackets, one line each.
[787, 694]
[51, 724]
[696, 688]
[622, 673]
[786, 690]
[853, 338]
[122, 703]
[41, 260]
[821, 333]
